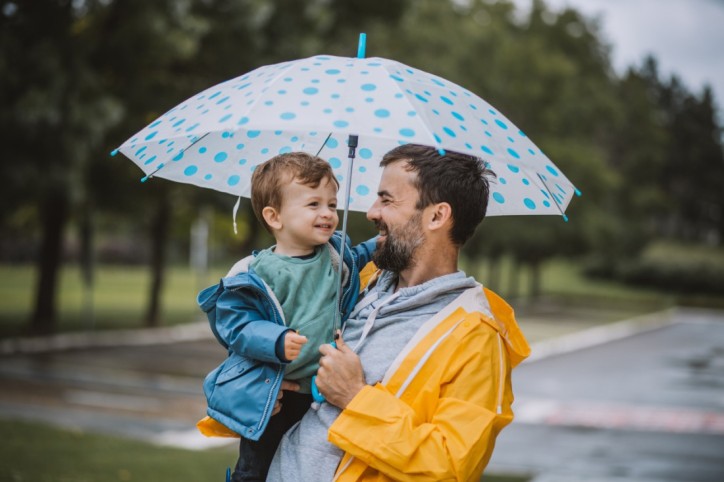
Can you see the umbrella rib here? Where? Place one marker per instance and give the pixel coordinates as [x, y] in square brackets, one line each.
[323, 144]
[149, 176]
[555, 201]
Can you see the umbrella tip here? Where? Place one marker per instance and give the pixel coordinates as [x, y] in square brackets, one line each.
[114, 152]
[565, 218]
[145, 178]
[578, 193]
[441, 152]
[362, 46]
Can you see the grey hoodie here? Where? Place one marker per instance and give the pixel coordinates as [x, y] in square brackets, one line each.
[390, 320]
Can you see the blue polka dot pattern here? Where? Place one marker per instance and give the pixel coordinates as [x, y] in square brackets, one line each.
[216, 138]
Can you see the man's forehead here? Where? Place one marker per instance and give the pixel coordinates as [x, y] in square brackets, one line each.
[397, 180]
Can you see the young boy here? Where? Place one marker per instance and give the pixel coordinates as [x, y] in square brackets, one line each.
[275, 308]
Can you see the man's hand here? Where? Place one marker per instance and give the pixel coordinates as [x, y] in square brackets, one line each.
[293, 343]
[286, 385]
[340, 376]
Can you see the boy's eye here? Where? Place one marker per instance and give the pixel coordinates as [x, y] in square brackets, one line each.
[314, 204]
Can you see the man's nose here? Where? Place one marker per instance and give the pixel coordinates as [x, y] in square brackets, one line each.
[373, 212]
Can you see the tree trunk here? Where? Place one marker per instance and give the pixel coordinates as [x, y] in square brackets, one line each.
[54, 218]
[513, 279]
[493, 280]
[159, 237]
[87, 262]
[535, 280]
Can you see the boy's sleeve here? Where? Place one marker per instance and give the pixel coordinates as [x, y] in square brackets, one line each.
[279, 347]
[243, 326]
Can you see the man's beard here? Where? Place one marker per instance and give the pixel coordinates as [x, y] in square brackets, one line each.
[396, 252]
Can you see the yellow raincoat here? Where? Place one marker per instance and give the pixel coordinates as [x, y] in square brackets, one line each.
[443, 401]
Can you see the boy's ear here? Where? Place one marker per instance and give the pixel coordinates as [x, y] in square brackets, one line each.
[272, 218]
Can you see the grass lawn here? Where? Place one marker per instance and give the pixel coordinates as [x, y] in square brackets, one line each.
[32, 452]
[118, 300]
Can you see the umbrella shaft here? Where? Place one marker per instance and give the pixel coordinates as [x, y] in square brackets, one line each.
[352, 143]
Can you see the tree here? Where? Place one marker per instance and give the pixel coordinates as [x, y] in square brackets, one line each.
[54, 116]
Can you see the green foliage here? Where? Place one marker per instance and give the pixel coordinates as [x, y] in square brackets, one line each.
[682, 269]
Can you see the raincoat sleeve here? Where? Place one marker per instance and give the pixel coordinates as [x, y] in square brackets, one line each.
[453, 441]
[246, 329]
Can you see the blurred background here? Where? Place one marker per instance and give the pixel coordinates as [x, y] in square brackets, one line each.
[86, 249]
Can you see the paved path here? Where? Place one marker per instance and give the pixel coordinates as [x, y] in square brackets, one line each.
[646, 406]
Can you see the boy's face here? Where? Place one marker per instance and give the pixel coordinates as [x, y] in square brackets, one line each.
[307, 217]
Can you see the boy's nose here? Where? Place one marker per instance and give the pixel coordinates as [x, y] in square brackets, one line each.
[328, 212]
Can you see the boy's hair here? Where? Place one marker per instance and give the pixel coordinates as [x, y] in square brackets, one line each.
[270, 177]
[457, 179]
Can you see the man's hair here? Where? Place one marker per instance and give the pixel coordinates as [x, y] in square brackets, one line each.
[457, 179]
[270, 177]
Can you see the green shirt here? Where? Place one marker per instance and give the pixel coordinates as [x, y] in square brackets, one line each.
[306, 289]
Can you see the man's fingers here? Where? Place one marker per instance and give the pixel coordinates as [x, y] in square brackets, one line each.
[341, 345]
[326, 349]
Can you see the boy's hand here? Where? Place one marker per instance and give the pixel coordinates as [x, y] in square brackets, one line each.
[293, 343]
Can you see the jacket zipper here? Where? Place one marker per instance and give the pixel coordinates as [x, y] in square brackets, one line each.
[501, 375]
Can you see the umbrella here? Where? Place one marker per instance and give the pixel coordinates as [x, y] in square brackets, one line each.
[343, 108]
[216, 138]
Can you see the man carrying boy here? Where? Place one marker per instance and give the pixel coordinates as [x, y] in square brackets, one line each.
[419, 385]
[275, 308]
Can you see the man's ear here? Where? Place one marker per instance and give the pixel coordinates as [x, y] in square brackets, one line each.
[440, 214]
[272, 218]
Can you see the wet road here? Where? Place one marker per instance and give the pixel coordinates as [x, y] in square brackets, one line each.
[150, 392]
[645, 406]
[648, 407]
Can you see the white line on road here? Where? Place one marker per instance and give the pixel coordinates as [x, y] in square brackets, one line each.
[618, 416]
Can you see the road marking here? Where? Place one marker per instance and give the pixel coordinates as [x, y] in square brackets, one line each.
[190, 440]
[618, 416]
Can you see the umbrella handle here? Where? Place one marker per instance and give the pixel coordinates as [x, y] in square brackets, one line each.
[316, 395]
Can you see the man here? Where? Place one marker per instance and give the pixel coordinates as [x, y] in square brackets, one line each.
[419, 385]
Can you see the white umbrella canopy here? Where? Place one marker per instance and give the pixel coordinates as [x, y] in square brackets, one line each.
[216, 138]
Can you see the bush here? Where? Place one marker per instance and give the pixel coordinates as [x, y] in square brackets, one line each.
[681, 269]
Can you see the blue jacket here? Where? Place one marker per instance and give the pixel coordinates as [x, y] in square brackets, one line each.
[246, 319]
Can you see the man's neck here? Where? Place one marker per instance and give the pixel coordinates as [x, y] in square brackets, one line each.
[429, 264]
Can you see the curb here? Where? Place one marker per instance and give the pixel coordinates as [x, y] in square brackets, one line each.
[112, 338]
[601, 334]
